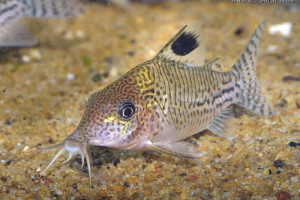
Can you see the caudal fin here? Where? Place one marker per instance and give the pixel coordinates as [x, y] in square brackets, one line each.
[245, 69]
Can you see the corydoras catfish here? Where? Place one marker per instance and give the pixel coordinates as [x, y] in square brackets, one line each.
[13, 30]
[159, 103]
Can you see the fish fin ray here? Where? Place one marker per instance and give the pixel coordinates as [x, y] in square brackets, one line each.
[213, 64]
[10, 13]
[219, 124]
[240, 110]
[185, 47]
[251, 96]
[18, 35]
[178, 149]
[47, 148]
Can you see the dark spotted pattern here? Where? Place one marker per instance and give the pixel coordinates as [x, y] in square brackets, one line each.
[190, 97]
[52, 8]
[244, 69]
[10, 10]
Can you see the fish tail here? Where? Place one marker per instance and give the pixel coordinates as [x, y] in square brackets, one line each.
[251, 96]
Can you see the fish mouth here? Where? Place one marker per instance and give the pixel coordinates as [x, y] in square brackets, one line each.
[73, 146]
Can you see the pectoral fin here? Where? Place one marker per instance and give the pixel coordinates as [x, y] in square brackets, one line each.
[179, 149]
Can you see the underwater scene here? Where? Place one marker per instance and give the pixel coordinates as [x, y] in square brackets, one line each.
[150, 99]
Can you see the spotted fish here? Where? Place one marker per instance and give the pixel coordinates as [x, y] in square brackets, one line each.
[162, 101]
[13, 30]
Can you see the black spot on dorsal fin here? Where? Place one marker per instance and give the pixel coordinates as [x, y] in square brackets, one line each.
[185, 44]
[185, 47]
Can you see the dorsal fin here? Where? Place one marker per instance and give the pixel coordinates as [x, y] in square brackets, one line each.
[186, 46]
[213, 64]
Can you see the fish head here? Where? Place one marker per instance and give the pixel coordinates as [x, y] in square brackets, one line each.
[116, 116]
[121, 116]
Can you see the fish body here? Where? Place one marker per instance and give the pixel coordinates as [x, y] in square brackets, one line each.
[14, 32]
[159, 103]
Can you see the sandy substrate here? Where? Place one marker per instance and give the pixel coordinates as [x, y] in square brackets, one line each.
[43, 91]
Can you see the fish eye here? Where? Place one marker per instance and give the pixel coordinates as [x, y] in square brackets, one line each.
[126, 109]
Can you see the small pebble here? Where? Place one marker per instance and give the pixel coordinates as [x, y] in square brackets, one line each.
[26, 59]
[290, 78]
[191, 178]
[239, 31]
[109, 59]
[74, 185]
[151, 53]
[284, 29]
[35, 54]
[283, 195]
[282, 103]
[278, 163]
[97, 77]
[86, 61]
[8, 122]
[116, 161]
[70, 76]
[69, 35]
[183, 174]
[272, 48]
[267, 171]
[225, 195]
[105, 74]
[51, 141]
[38, 145]
[80, 34]
[114, 72]
[8, 162]
[126, 184]
[294, 144]
[294, 179]
[26, 148]
[97, 163]
[130, 53]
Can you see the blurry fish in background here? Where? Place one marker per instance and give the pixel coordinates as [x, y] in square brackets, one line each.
[13, 30]
[125, 4]
[293, 6]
